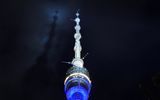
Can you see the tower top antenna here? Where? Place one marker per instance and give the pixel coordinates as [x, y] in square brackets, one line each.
[77, 14]
[77, 60]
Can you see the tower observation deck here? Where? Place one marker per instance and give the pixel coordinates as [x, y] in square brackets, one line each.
[77, 84]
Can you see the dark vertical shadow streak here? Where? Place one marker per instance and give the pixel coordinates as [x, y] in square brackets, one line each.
[38, 77]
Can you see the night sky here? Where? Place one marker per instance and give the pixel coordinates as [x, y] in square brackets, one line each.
[122, 38]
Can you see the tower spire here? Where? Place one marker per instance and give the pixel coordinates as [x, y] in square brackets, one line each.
[77, 84]
[77, 61]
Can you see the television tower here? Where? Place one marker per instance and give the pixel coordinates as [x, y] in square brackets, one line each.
[77, 84]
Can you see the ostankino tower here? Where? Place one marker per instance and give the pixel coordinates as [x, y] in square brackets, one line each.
[77, 84]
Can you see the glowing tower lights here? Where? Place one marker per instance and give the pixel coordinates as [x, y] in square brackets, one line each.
[77, 84]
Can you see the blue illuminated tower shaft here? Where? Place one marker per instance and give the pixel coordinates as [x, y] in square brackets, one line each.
[77, 84]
